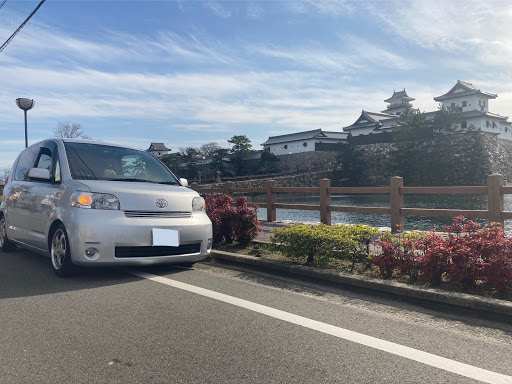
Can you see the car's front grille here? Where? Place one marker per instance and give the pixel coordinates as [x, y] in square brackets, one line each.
[185, 249]
[157, 214]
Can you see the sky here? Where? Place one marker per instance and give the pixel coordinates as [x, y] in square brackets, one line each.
[187, 73]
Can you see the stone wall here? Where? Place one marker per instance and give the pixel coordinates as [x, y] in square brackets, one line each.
[309, 179]
[307, 161]
[500, 156]
[462, 159]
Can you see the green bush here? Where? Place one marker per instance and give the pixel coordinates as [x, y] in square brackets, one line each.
[354, 241]
[346, 242]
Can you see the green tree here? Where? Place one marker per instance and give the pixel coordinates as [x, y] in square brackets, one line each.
[241, 150]
[218, 160]
[352, 166]
[407, 160]
[445, 121]
[189, 158]
[268, 163]
[421, 155]
[173, 162]
[412, 126]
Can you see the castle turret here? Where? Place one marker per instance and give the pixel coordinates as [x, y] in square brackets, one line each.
[398, 102]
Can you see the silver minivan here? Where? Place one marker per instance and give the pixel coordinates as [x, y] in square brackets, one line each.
[89, 203]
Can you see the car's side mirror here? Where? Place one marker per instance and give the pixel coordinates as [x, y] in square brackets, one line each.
[184, 182]
[39, 173]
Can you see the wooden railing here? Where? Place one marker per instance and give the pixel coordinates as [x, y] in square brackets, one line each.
[495, 191]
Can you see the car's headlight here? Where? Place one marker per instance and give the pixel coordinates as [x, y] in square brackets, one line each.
[94, 200]
[198, 204]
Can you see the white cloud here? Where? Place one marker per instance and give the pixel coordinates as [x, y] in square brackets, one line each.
[471, 29]
[203, 127]
[330, 7]
[115, 48]
[373, 55]
[254, 11]
[354, 54]
[218, 9]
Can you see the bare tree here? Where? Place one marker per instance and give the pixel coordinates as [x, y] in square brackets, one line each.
[70, 131]
[209, 149]
[3, 174]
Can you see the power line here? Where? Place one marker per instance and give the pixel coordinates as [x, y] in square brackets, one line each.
[3, 2]
[21, 26]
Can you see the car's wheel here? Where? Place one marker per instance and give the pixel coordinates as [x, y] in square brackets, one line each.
[60, 252]
[5, 244]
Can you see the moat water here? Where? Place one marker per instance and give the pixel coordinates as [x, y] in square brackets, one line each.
[410, 201]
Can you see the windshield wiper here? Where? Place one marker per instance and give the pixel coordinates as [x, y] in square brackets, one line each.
[134, 180]
[129, 179]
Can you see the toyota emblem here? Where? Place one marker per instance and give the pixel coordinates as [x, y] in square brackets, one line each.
[161, 203]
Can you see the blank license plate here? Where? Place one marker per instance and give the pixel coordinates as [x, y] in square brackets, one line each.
[166, 237]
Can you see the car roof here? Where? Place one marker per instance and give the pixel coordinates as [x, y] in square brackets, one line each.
[94, 142]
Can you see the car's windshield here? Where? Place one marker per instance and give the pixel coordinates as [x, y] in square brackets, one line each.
[105, 162]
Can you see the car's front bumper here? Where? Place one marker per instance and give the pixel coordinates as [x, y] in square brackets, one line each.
[106, 230]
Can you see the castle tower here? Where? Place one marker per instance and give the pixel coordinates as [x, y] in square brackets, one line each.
[398, 102]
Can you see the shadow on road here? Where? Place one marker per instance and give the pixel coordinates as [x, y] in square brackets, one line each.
[24, 273]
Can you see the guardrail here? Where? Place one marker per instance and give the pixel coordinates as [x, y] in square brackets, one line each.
[495, 191]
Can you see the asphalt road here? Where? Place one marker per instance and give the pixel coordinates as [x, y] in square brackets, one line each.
[213, 324]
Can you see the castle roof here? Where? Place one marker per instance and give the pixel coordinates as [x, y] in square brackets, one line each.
[401, 95]
[306, 135]
[369, 119]
[475, 113]
[158, 147]
[462, 89]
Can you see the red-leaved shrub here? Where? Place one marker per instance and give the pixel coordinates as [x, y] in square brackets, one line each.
[398, 254]
[246, 225]
[466, 254]
[230, 224]
[388, 260]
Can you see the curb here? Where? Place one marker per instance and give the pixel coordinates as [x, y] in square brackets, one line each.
[454, 298]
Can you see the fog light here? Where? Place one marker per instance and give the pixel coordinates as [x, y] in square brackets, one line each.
[90, 252]
[209, 245]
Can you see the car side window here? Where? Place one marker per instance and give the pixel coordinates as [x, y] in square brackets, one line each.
[56, 171]
[45, 159]
[25, 162]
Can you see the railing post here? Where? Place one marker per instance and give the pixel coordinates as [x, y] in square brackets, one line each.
[271, 200]
[228, 188]
[495, 198]
[194, 186]
[325, 201]
[397, 203]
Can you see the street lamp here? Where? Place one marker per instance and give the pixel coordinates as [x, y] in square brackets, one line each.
[25, 104]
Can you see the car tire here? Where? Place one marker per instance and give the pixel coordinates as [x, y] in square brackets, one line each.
[60, 252]
[5, 244]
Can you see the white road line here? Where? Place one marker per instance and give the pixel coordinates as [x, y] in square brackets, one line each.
[369, 341]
